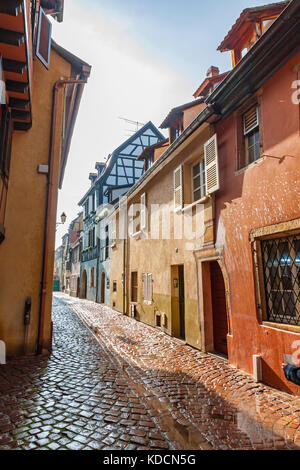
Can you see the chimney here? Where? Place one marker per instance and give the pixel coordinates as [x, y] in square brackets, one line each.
[213, 72]
[99, 167]
[93, 177]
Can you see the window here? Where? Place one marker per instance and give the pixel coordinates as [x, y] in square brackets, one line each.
[115, 286]
[280, 259]
[93, 277]
[198, 177]
[251, 135]
[147, 289]
[134, 287]
[43, 47]
[107, 242]
[86, 208]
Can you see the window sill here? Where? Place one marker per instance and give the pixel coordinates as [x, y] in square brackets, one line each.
[196, 203]
[147, 303]
[248, 167]
[280, 326]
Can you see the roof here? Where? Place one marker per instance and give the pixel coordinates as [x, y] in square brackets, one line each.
[111, 161]
[209, 81]
[247, 15]
[235, 90]
[69, 57]
[148, 150]
[82, 69]
[55, 8]
[177, 112]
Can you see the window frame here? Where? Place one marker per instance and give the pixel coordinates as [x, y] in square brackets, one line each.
[202, 175]
[242, 157]
[276, 232]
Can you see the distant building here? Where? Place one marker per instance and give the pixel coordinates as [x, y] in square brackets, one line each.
[112, 181]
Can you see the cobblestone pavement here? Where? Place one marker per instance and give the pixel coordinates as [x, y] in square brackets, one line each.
[135, 388]
[77, 399]
[205, 402]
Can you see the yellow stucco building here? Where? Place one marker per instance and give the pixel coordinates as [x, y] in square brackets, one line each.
[43, 84]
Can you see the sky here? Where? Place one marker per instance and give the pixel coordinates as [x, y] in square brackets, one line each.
[147, 57]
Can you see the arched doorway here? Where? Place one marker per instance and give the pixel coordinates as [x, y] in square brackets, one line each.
[84, 285]
[219, 309]
[102, 296]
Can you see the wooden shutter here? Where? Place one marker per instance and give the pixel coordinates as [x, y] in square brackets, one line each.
[149, 282]
[178, 189]
[144, 288]
[211, 165]
[250, 120]
[143, 213]
[43, 46]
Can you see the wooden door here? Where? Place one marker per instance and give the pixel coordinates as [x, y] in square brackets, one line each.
[181, 301]
[220, 322]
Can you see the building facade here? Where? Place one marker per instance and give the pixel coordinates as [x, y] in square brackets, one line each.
[112, 180]
[38, 114]
[233, 171]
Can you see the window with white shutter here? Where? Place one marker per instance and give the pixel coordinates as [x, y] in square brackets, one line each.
[43, 46]
[250, 120]
[178, 189]
[147, 289]
[143, 212]
[211, 165]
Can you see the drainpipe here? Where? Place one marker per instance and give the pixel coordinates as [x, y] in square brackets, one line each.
[47, 224]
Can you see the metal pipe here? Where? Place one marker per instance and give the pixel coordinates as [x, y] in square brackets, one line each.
[47, 224]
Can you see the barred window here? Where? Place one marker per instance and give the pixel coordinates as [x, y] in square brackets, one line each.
[281, 268]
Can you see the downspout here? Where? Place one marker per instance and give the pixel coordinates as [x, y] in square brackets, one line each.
[47, 224]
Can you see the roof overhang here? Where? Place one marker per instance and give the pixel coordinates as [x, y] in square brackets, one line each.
[16, 62]
[279, 43]
[54, 8]
[178, 112]
[250, 15]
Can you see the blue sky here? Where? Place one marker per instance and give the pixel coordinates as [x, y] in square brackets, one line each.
[147, 57]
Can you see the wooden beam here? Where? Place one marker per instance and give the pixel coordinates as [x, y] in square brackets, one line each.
[19, 104]
[16, 87]
[22, 126]
[11, 7]
[20, 115]
[11, 37]
[14, 66]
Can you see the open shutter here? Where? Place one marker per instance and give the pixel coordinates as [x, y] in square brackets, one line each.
[144, 287]
[144, 224]
[149, 282]
[43, 46]
[251, 120]
[178, 190]
[211, 165]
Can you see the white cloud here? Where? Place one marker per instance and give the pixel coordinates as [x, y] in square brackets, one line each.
[126, 81]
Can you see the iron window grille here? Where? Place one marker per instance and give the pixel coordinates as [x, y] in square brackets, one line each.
[281, 269]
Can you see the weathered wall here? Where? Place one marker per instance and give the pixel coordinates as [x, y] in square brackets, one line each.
[264, 194]
[22, 250]
[87, 266]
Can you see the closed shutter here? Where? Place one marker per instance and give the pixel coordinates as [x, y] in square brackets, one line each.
[43, 46]
[143, 213]
[250, 120]
[211, 165]
[178, 190]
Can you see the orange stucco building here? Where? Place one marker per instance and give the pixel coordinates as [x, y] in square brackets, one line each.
[234, 152]
[43, 84]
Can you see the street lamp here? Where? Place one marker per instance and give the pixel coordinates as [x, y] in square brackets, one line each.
[63, 219]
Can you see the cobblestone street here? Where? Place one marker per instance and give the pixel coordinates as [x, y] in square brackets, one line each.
[132, 388]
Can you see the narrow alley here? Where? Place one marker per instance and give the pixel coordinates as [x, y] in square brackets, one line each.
[120, 384]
